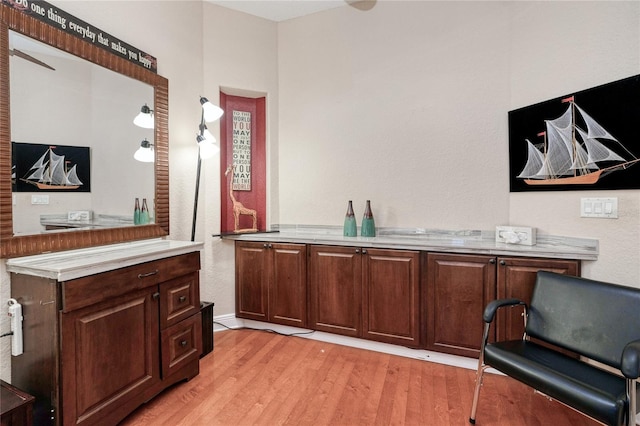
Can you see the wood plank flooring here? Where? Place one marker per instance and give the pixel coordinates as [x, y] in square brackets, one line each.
[259, 378]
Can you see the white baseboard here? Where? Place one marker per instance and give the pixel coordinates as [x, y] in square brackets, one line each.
[232, 322]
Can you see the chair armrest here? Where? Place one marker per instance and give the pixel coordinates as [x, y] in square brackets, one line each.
[631, 360]
[492, 307]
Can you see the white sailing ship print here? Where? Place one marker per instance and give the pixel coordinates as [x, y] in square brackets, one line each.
[52, 171]
[571, 154]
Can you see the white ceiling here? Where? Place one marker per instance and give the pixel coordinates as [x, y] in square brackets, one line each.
[280, 10]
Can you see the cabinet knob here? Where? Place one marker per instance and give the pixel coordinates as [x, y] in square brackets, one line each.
[357, 251]
[183, 343]
[364, 251]
[492, 261]
[270, 246]
[155, 296]
[265, 245]
[181, 299]
[502, 262]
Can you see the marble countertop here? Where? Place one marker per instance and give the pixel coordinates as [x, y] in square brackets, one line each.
[451, 241]
[72, 264]
[96, 221]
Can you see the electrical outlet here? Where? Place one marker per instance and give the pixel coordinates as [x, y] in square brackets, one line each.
[516, 235]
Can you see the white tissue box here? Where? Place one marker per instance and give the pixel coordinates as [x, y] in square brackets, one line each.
[516, 235]
[79, 216]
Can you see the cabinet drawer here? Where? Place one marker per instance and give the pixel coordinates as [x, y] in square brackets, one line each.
[179, 299]
[99, 287]
[181, 344]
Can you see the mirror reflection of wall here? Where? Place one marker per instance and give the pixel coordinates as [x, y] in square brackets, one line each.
[79, 104]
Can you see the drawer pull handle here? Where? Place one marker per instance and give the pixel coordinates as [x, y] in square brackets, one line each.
[148, 274]
[181, 299]
[183, 343]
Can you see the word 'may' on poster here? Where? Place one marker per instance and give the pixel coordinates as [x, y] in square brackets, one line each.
[242, 151]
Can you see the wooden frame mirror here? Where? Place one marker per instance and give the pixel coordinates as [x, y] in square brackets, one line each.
[13, 246]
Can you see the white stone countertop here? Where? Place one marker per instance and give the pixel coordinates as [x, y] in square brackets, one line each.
[97, 221]
[72, 264]
[458, 241]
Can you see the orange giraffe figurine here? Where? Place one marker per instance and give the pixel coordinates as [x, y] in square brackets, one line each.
[238, 208]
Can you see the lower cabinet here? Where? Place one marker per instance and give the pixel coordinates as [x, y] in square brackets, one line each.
[369, 293]
[97, 347]
[458, 287]
[416, 299]
[271, 282]
[516, 278]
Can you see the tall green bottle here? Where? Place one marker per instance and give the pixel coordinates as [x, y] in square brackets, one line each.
[144, 213]
[368, 228]
[350, 227]
[136, 213]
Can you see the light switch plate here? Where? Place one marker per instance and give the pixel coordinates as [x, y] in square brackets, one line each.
[606, 208]
[39, 199]
[521, 235]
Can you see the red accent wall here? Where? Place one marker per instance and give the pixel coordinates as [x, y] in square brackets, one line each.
[256, 198]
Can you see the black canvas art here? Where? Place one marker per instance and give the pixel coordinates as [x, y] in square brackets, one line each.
[50, 168]
[586, 140]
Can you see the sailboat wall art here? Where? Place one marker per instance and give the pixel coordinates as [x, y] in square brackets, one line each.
[587, 140]
[50, 168]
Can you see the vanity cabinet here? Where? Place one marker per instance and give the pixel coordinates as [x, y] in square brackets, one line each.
[98, 346]
[458, 287]
[271, 282]
[368, 293]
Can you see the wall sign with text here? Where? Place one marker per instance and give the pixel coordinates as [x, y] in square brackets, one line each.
[68, 23]
[242, 150]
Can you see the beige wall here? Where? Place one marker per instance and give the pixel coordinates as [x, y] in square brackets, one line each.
[405, 105]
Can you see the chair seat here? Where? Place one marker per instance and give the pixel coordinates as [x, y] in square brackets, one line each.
[595, 392]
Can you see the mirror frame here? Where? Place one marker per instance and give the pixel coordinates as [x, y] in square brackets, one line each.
[13, 246]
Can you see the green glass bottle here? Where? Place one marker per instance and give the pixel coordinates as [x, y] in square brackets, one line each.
[350, 227]
[368, 228]
[144, 213]
[136, 213]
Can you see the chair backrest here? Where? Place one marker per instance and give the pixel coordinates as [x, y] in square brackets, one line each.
[592, 318]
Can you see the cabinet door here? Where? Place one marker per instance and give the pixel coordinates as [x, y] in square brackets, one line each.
[181, 345]
[335, 286]
[252, 279]
[391, 296]
[288, 284]
[179, 299]
[516, 278]
[110, 358]
[458, 289]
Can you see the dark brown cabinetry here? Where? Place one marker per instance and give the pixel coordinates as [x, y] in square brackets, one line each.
[369, 293]
[515, 278]
[458, 287]
[271, 282]
[97, 347]
[335, 290]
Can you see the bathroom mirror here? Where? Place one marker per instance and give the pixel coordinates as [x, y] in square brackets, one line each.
[108, 140]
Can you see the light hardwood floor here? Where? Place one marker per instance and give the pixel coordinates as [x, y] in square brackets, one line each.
[260, 378]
